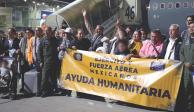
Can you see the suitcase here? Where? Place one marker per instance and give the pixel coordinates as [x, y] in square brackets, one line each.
[31, 84]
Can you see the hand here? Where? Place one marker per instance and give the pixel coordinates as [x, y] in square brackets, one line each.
[74, 47]
[58, 48]
[41, 65]
[118, 21]
[188, 65]
[2, 55]
[129, 56]
[84, 12]
[61, 47]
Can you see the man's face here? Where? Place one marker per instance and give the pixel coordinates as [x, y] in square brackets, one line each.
[48, 32]
[122, 47]
[10, 33]
[28, 34]
[80, 34]
[38, 32]
[20, 34]
[173, 32]
[188, 21]
[57, 34]
[155, 37]
[191, 29]
[128, 31]
[61, 33]
[99, 30]
[136, 36]
[120, 34]
[143, 34]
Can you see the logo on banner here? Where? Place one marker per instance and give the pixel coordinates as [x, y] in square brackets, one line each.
[157, 66]
[78, 56]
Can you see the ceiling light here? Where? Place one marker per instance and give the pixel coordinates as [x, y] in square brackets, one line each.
[25, 0]
[43, 3]
[33, 2]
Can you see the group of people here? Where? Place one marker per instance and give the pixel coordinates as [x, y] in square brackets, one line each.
[44, 50]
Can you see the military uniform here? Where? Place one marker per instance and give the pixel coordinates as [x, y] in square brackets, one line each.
[187, 56]
[48, 56]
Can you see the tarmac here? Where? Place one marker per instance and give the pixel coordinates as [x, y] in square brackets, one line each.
[59, 103]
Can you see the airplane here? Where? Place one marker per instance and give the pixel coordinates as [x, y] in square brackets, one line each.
[150, 14]
[162, 13]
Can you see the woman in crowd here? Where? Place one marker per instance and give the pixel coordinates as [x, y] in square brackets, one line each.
[135, 44]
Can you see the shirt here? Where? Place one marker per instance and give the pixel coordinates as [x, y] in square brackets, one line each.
[29, 52]
[169, 48]
[35, 45]
[148, 49]
[10, 43]
[113, 45]
[135, 47]
[66, 43]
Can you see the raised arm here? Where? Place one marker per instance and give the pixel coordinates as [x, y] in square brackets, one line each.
[87, 23]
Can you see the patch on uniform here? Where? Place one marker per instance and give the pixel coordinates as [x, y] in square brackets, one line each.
[78, 56]
[157, 66]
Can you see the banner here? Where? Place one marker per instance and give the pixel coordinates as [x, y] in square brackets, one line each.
[146, 82]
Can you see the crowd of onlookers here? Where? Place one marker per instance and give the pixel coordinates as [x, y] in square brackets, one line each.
[44, 50]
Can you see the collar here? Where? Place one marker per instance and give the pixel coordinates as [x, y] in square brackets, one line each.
[172, 40]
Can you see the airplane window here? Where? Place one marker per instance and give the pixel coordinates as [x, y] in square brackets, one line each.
[155, 6]
[192, 5]
[162, 5]
[170, 5]
[178, 5]
[186, 5]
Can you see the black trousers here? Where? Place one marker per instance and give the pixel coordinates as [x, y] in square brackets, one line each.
[13, 85]
[49, 78]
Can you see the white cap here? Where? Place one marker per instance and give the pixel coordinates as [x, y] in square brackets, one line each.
[44, 15]
[68, 30]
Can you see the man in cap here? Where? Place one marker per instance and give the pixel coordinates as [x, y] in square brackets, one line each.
[67, 41]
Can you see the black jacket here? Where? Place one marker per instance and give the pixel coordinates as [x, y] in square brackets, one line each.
[96, 42]
[5, 45]
[178, 44]
[83, 44]
[47, 51]
[2, 47]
